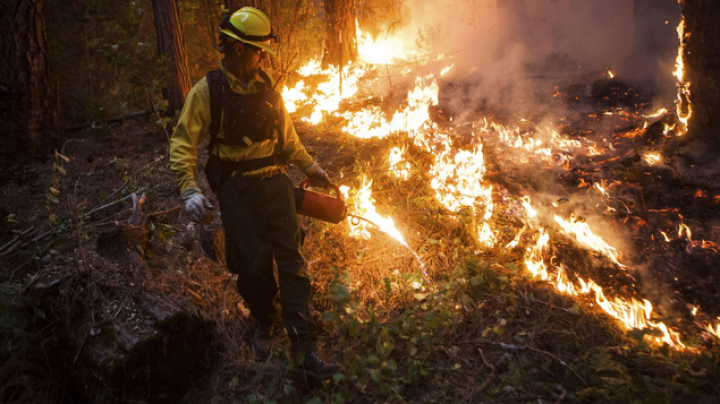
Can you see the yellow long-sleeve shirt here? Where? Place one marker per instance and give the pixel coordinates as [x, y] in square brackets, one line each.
[194, 127]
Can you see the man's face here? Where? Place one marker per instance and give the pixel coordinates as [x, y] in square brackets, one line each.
[251, 58]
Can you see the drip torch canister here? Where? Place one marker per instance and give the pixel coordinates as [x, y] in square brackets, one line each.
[318, 205]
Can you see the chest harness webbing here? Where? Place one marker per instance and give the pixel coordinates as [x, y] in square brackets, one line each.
[247, 118]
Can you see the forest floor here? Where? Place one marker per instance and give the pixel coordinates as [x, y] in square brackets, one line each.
[468, 325]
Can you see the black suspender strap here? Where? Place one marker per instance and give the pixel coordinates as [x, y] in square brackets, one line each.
[216, 85]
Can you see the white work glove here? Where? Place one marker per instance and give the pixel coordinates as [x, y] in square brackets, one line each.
[314, 172]
[197, 206]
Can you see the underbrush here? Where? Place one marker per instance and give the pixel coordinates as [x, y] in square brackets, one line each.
[444, 319]
[480, 333]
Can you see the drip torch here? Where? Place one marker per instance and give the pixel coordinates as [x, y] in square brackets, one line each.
[324, 207]
[318, 205]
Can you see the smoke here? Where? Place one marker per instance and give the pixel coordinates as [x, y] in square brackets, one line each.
[507, 51]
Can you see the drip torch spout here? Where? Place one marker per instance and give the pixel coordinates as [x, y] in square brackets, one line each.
[356, 220]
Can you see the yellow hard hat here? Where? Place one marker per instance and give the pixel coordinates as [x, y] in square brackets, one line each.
[251, 26]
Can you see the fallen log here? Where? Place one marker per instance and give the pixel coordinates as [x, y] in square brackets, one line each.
[109, 121]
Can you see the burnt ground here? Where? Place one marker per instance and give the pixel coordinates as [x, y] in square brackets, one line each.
[479, 329]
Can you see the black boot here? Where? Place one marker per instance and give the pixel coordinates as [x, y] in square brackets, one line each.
[315, 368]
[263, 343]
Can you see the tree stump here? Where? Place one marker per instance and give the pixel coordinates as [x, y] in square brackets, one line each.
[115, 336]
[127, 241]
[117, 342]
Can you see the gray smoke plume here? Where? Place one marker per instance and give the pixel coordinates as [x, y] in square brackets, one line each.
[505, 50]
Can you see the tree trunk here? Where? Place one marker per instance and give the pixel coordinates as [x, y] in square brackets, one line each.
[702, 71]
[275, 17]
[29, 117]
[211, 19]
[171, 44]
[340, 36]
[513, 21]
[233, 5]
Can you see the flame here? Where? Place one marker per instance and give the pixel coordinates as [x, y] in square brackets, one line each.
[531, 212]
[668, 128]
[680, 60]
[585, 237]
[457, 175]
[383, 51]
[445, 70]
[683, 105]
[329, 93]
[540, 143]
[534, 261]
[652, 158]
[514, 243]
[342, 84]
[365, 207]
[683, 228]
[396, 160]
[486, 236]
[371, 123]
[378, 52]
[633, 314]
[519, 139]
[658, 114]
[601, 189]
[457, 179]
[294, 96]
[714, 330]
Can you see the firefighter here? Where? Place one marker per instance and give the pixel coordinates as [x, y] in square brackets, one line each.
[251, 141]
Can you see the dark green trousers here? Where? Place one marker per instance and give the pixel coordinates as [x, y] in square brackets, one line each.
[260, 224]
